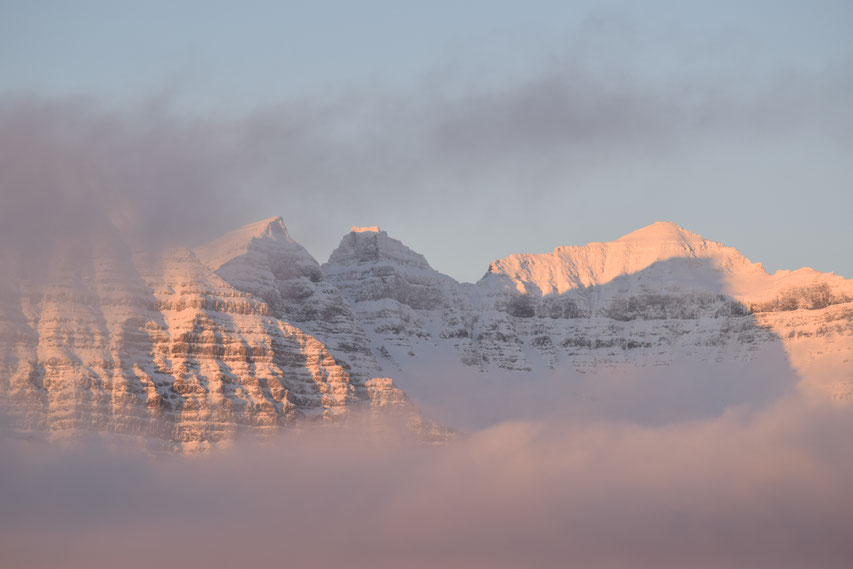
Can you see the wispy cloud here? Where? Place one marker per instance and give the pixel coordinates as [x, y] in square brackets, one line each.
[498, 153]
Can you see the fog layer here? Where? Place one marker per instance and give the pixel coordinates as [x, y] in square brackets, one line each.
[743, 490]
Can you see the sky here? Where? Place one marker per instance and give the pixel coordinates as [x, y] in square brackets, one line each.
[468, 130]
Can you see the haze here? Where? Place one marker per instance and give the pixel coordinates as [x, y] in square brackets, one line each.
[470, 132]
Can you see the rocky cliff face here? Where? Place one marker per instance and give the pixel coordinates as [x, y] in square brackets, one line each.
[161, 347]
[249, 334]
[405, 306]
[262, 260]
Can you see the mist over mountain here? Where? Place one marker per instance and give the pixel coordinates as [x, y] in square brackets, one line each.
[468, 342]
[250, 334]
[659, 392]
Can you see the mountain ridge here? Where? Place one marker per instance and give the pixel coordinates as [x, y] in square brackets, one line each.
[250, 333]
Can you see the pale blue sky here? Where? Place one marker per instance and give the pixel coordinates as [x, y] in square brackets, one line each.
[472, 130]
[251, 52]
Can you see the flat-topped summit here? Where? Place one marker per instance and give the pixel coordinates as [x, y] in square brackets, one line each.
[368, 245]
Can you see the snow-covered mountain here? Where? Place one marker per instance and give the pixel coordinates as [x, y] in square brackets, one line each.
[162, 347]
[250, 333]
[662, 289]
[642, 299]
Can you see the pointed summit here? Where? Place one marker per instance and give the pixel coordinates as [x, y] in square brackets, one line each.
[661, 231]
[236, 243]
[270, 227]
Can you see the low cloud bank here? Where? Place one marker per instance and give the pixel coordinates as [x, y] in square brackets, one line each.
[742, 490]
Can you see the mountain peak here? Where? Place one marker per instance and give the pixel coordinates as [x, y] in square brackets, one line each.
[273, 226]
[237, 242]
[370, 229]
[370, 245]
[599, 263]
[661, 231]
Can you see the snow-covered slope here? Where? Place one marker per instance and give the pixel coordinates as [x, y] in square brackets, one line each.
[663, 285]
[596, 264]
[261, 259]
[249, 333]
[406, 306]
[160, 346]
[655, 295]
